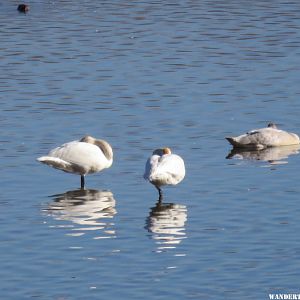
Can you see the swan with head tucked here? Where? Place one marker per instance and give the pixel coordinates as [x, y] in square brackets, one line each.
[263, 138]
[164, 168]
[86, 156]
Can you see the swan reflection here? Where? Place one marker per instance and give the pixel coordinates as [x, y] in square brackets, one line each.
[88, 210]
[273, 155]
[166, 222]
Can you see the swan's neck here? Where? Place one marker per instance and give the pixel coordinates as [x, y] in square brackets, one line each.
[103, 145]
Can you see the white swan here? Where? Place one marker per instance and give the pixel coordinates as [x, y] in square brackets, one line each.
[82, 157]
[263, 138]
[164, 168]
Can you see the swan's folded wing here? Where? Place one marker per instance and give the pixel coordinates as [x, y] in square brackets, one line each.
[85, 155]
[256, 139]
[172, 168]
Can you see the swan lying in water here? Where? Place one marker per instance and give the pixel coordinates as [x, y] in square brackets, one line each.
[164, 168]
[82, 157]
[263, 138]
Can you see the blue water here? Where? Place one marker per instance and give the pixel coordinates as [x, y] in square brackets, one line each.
[143, 75]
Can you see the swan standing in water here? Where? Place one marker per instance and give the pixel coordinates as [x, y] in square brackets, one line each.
[263, 138]
[82, 157]
[164, 168]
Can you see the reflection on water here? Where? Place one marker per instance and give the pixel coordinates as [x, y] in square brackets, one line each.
[144, 74]
[88, 210]
[273, 155]
[166, 222]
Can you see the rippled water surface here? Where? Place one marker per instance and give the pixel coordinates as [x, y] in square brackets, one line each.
[143, 75]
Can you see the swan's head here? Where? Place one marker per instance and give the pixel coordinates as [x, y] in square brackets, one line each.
[162, 151]
[88, 139]
[272, 125]
[167, 150]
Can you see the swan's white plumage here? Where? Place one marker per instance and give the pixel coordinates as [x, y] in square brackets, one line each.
[82, 157]
[264, 137]
[164, 169]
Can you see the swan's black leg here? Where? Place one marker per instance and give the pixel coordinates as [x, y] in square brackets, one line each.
[160, 194]
[82, 182]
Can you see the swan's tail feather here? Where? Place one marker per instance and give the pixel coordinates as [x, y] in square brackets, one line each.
[250, 146]
[233, 141]
[60, 164]
[54, 162]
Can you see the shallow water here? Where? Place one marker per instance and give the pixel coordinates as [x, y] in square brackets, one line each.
[143, 75]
